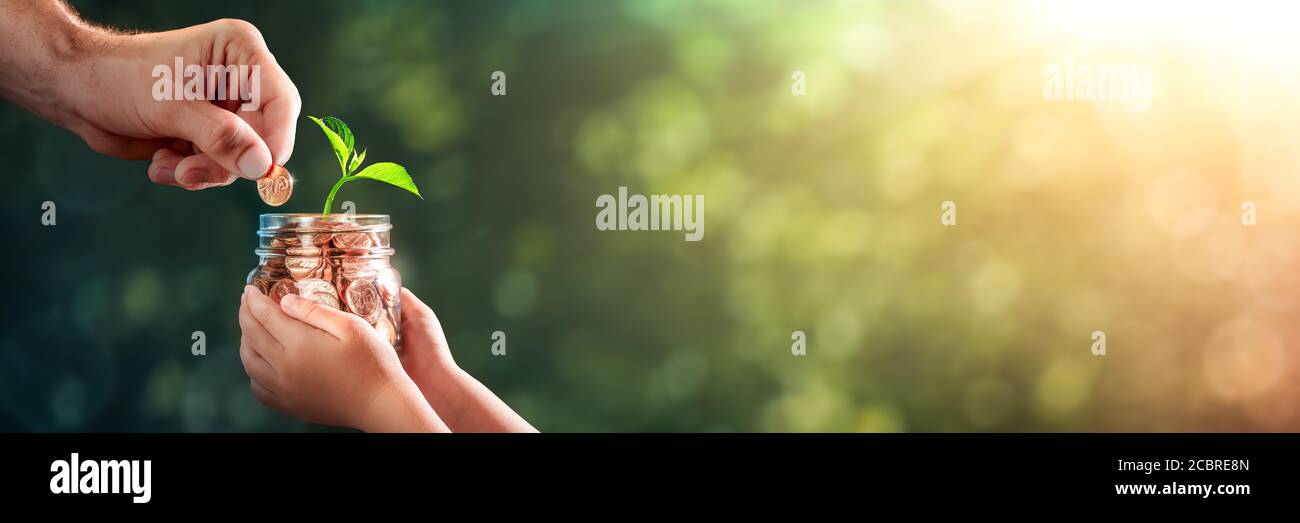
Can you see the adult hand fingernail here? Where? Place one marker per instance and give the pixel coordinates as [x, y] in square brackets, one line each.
[192, 177]
[164, 175]
[255, 162]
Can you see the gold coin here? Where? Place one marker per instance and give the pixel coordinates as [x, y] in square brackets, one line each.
[276, 186]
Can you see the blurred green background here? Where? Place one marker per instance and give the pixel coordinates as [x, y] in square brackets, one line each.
[822, 215]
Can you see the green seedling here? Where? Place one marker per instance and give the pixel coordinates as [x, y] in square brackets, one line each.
[344, 145]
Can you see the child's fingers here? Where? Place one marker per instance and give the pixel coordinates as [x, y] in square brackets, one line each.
[256, 367]
[285, 329]
[266, 345]
[331, 320]
[415, 312]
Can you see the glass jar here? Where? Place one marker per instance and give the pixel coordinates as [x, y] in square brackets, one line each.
[339, 261]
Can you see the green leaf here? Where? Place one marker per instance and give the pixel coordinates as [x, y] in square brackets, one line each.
[356, 160]
[342, 130]
[391, 174]
[341, 150]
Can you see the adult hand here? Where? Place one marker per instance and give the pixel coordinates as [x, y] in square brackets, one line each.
[100, 84]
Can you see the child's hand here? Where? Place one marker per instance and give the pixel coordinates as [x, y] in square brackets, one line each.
[327, 366]
[465, 404]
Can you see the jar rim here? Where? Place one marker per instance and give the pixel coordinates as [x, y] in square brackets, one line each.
[308, 222]
[382, 253]
[320, 215]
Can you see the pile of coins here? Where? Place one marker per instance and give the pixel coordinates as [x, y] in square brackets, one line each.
[346, 270]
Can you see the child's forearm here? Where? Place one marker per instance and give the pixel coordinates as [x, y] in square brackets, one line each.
[400, 407]
[467, 405]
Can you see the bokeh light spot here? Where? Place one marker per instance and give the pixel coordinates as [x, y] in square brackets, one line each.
[1063, 387]
[1244, 358]
[142, 295]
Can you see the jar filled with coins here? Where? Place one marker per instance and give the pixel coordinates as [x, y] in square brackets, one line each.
[339, 261]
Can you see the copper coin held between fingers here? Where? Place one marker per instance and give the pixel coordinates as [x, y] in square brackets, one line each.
[276, 186]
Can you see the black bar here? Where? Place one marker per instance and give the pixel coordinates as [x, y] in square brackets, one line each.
[890, 469]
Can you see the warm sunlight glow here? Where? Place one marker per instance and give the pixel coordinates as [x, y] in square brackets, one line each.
[1249, 31]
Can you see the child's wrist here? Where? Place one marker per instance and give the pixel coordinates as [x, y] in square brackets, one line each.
[442, 385]
[439, 373]
[398, 407]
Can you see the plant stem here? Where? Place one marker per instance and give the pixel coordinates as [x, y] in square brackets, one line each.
[329, 200]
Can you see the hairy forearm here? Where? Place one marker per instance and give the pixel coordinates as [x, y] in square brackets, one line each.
[42, 44]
